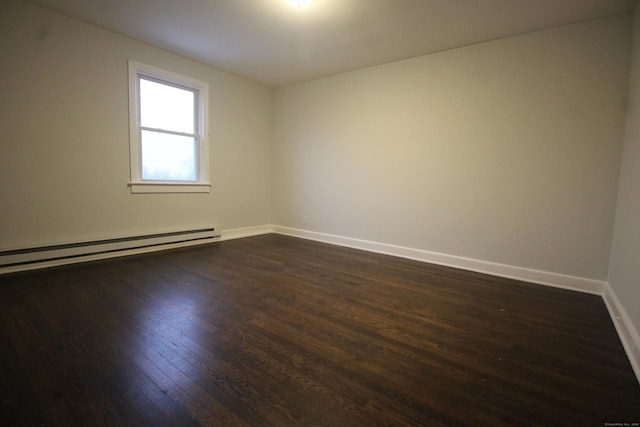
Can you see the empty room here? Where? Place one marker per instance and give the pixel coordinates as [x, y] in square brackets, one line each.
[327, 212]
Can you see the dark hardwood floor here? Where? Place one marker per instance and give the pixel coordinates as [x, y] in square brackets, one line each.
[274, 330]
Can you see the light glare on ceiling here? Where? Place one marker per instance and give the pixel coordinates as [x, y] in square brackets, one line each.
[300, 3]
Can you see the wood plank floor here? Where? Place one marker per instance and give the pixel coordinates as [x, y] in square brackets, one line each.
[273, 330]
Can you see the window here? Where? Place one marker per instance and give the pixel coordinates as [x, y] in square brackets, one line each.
[168, 132]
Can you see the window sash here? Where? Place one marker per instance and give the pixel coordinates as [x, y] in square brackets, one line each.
[169, 159]
[169, 132]
[194, 124]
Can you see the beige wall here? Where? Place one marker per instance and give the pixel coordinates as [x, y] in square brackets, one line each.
[624, 273]
[506, 151]
[64, 149]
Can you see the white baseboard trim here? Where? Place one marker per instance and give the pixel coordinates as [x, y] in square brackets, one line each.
[518, 273]
[626, 330]
[502, 270]
[241, 233]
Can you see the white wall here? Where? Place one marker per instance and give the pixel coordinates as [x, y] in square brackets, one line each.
[506, 151]
[64, 149]
[624, 273]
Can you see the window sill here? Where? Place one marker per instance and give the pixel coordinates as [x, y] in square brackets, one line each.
[156, 187]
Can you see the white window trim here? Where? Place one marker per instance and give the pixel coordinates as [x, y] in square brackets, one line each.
[139, 185]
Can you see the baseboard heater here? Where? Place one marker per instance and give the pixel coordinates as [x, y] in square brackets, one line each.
[28, 258]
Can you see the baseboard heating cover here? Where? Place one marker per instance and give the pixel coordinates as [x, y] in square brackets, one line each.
[28, 258]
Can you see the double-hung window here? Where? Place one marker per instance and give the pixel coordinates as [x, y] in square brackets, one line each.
[168, 131]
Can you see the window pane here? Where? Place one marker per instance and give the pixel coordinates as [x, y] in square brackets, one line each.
[168, 157]
[166, 107]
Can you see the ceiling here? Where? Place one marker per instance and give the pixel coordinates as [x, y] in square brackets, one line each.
[271, 42]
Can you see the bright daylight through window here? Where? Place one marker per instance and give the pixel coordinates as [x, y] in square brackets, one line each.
[169, 150]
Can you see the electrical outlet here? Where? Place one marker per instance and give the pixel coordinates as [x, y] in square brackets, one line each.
[305, 220]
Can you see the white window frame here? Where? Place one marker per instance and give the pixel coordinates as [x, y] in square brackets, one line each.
[137, 183]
